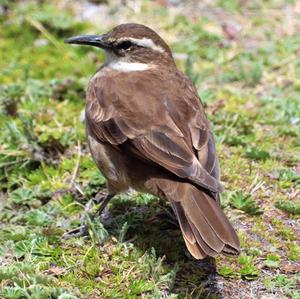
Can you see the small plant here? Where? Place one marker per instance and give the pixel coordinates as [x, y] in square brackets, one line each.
[256, 154]
[227, 271]
[190, 71]
[288, 206]
[294, 252]
[245, 203]
[248, 270]
[123, 232]
[67, 296]
[59, 21]
[288, 178]
[22, 196]
[250, 72]
[272, 261]
[97, 231]
[282, 280]
[9, 292]
[38, 217]
[289, 175]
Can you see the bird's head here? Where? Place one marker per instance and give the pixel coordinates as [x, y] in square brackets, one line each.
[129, 43]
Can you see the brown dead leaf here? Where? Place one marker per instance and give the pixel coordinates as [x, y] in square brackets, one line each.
[163, 3]
[55, 271]
[297, 169]
[294, 194]
[11, 108]
[290, 268]
[214, 107]
[274, 174]
[231, 30]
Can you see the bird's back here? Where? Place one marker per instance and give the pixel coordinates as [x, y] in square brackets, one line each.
[156, 123]
[161, 106]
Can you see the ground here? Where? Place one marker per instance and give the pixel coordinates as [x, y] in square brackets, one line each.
[243, 57]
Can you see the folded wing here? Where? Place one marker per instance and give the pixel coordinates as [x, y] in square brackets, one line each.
[155, 129]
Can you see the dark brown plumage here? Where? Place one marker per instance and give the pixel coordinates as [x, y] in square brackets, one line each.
[147, 130]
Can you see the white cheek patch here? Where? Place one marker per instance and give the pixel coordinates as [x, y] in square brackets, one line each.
[123, 66]
[146, 43]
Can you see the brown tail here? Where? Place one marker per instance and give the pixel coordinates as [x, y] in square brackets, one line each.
[205, 228]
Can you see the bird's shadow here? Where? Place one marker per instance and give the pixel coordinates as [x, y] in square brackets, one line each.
[154, 226]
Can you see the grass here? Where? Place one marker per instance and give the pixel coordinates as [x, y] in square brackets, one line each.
[249, 83]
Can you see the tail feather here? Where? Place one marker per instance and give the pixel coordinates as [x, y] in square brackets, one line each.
[195, 250]
[187, 232]
[209, 250]
[228, 250]
[183, 222]
[217, 219]
[205, 228]
[196, 217]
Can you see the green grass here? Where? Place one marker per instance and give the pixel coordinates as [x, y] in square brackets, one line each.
[251, 89]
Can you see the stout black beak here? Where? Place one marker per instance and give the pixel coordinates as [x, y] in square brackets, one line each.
[92, 40]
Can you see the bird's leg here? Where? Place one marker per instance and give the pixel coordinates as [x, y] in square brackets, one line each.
[103, 203]
[83, 228]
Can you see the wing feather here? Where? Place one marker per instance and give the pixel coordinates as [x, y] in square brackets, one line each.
[171, 131]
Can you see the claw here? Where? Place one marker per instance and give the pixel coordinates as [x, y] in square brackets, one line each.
[83, 229]
[76, 232]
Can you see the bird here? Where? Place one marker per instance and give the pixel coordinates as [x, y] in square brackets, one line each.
[147, 130]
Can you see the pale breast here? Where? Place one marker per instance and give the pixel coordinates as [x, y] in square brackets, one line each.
[111, 164]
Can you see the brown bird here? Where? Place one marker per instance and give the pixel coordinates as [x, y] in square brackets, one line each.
[147, 130]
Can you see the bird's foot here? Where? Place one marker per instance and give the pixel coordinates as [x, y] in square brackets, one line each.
[80, 231]
[87, 218]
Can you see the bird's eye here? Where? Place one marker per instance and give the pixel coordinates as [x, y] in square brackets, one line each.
[124, 45]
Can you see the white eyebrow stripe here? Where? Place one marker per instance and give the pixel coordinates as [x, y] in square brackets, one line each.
[123, 66]
[145, 42]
